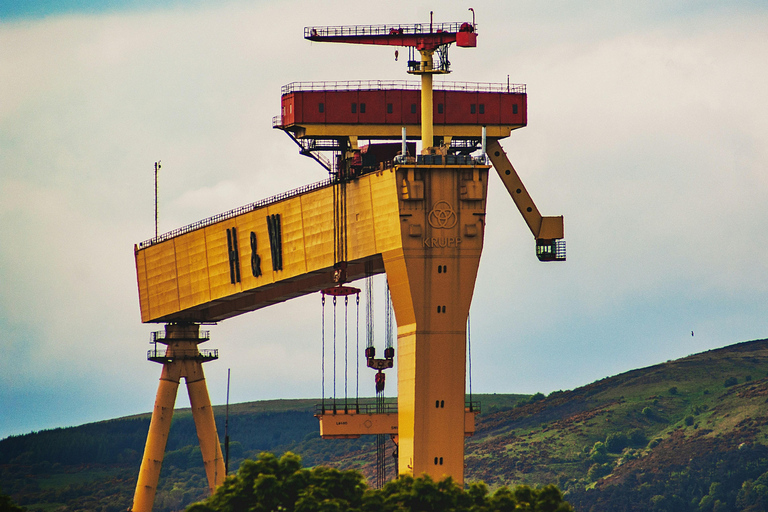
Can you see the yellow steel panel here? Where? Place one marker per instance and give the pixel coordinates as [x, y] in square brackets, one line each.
[192, 269]
[317, 212]
[217, 251]
[384, 201]
[191, 272]
[141, 277]
[163, 293]
[292, 233]
[256, 222]
[351, 425]
[551, 228]
[469, 423]
[360, 235]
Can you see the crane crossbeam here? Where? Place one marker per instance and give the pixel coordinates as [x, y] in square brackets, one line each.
[423, 36]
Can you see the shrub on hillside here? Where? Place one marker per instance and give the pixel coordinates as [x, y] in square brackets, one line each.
[598, 471]
[616, 441]
[599, 453]
[731, 381]
[637, 437]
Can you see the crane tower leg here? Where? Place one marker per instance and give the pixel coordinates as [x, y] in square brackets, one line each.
[181, 359]
[159, 426]
[202, 412]
[431, 281]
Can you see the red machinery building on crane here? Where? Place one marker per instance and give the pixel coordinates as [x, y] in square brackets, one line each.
[419, 218]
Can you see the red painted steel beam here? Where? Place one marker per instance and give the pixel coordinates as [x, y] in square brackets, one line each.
[463, 34]
[420, 42]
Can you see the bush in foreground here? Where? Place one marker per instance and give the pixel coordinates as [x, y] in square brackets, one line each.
[270, 484]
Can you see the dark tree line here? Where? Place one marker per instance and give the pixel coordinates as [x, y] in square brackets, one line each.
[269, 483]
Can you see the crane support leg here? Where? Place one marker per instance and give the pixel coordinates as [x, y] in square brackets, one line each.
[181, 359]
[159, 426]
[202, 412]
[431, 280]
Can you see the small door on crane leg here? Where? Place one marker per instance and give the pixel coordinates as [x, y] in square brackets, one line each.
[550, 250]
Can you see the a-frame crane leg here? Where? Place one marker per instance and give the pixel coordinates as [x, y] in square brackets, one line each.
[431, 281]
[202, 412]
[154, 450]
[181, 359]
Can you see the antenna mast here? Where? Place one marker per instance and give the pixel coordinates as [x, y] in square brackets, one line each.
[157, 166]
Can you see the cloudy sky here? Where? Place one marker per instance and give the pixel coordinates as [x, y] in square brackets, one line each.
[648, 124]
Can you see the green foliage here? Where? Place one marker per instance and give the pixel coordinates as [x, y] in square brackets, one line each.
[688, 420]
[532, 399]
[269, 483]
[7, 505]
[616, 441]
[597, 471]
[673, 390]
[599, 453]
[753, 495]
[730, 381]
[637, 437]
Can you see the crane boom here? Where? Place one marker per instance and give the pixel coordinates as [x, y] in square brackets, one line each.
[548, 231]
[421, 36]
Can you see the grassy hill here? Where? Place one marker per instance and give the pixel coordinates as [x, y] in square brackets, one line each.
[686, 435]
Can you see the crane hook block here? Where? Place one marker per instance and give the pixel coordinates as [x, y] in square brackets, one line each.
[380, 378]
[340, 291]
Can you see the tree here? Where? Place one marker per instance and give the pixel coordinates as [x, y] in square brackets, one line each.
[7, 505]
[269, 483]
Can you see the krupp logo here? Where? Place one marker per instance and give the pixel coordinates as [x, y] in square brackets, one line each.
[442, 216]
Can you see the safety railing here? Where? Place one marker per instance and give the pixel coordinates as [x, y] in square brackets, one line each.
[389, 85]
[161, 335]
[389, 407]
[234, 213]
[161, 355]
[350, 406]
[386, 30]
[472, 406]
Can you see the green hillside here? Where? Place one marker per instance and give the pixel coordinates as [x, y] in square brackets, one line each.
[686, 435]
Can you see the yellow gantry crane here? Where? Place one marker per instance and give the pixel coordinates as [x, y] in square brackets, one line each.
[420, 218]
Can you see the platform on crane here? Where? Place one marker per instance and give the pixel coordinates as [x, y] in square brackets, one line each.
[372, 109]
[357, 420]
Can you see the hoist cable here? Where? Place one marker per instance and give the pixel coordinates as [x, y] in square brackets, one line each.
[369, 310]
[322, 357]
[357, 355]
[334, 353]
[388, 318]
[346, 352]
